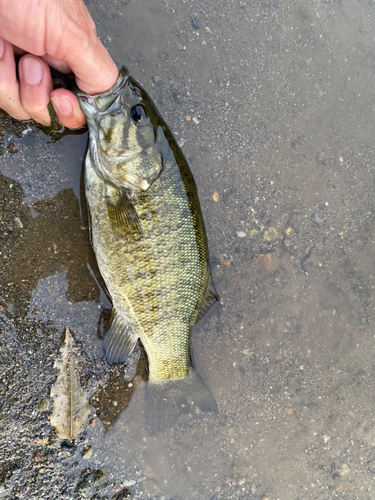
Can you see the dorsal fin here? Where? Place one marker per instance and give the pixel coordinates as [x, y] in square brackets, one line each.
[208, 300]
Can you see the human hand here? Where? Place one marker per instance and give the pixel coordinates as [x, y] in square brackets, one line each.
[57, 33]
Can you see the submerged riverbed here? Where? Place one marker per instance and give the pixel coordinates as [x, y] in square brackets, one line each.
[272, 104]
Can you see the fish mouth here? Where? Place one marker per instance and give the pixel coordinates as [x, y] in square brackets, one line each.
[102, 101]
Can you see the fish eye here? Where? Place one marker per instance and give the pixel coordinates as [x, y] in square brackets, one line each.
[137, 113]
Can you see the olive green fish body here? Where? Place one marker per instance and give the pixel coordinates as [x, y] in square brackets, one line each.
[147, 230]
[156, 280]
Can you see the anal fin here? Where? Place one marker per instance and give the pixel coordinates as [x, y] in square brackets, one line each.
[119, 340]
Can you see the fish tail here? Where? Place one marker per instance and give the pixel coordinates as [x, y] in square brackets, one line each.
[166, 400]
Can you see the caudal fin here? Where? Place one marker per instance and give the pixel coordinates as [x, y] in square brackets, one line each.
[168, 399]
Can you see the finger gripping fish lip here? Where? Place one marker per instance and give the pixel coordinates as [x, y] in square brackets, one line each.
[113, 92]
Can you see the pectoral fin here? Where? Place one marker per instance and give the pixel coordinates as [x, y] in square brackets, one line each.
[208, 300]
[120, 339]
[122, 215]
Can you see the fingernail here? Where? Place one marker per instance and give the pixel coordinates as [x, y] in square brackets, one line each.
[2, 47]
[62, 106]
[32, 71]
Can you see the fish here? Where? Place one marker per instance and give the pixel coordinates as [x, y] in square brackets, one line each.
[148, 235]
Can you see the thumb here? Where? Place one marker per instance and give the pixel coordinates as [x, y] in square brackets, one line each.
[94, 68]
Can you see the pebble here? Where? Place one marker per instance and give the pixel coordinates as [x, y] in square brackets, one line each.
[223, 261]
[188, 118]
[45, 405]
[131, 482]
[317, 218]
[241, 234]
[12, 148]
[216, 196]
[195, 120]
[85, 489]
[156, 79]
[270, 234]
[68, 448]
[87, 453]
[123, 495]
[18, 222]
[195, 23]
[268, 261]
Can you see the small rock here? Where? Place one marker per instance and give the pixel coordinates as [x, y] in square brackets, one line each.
[45, 405]
[188, 118]
[223, 260]
[338, 486]
[156, 79]
[131, 482]
[344, 470]
[18, 222]
[195, 23]
[85, 489]
[87, 452]
[268, 261]
[216, 196]
[12, 148]
[123, 495]
[195, 120]
[318, 218]
[68, 448]
[270, 234]
[241, 234]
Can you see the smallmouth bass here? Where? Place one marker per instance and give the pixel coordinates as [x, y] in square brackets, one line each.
[148, 235]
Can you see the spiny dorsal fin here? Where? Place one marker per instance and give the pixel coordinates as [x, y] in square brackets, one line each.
[123, 216]
[120, 339]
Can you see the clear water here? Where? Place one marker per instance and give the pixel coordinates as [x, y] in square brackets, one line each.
[280, 96]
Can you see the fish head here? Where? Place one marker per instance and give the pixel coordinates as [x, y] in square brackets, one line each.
[125, 134]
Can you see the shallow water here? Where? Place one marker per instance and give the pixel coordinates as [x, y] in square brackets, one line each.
[280, 96]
